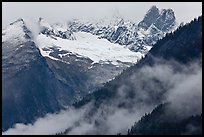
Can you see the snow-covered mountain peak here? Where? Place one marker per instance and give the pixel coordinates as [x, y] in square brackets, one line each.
[16, 31]
[56, 30]
[44, 24]
[138, 37]
[124, 33]
[18, 21]
[153, 10]
[60, 26]
[18, 46]
[117, 19]
[149, 18]
[163, 19]
[167, 11]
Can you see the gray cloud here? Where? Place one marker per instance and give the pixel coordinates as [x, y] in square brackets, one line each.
[53, 11]
[183, 89]
[186, 96]
[50, 124]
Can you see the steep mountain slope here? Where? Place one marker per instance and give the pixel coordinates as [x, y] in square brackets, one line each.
[53, 68]
[186, 46]
[159, 122]
[146, 84]
[178, 47]
[29, 87]
[85, 62]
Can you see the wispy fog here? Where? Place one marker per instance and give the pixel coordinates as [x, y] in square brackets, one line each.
[182, 86]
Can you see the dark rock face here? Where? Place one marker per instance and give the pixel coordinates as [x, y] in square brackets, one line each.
[79, 72]
[150, 18]
[164, 20]
[30, 89]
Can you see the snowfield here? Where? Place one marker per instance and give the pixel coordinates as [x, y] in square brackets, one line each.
[14, 33]
[90, 46]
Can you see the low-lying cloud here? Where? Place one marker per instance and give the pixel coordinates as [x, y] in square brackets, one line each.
[50, 124]
[169, 82]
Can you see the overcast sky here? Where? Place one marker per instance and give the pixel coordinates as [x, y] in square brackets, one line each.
[53, 11]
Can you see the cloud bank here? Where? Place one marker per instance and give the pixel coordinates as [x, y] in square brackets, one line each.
[183, 88]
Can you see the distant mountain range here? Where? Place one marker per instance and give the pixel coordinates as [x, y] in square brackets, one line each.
[138, 37]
